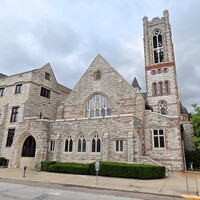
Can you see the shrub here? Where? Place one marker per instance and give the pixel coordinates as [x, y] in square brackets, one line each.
[46, 164]
[113, 169]
[124, 170]
[193, 157]
[71, 168]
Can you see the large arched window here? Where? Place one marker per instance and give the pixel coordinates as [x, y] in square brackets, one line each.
[97, 106]
[29, 146]
[68, 144]
[96, 144]
[81, 144]
[158, 47]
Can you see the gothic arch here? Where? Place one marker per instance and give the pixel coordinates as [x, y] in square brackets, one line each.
[97, 105]
[29, 147]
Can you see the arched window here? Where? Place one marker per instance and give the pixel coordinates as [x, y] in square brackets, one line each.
[158, 47]
[29, 146]
[97, 106]
[97, 75]
[96, 144]
[163, 108]
[81, 144]
[68, 144]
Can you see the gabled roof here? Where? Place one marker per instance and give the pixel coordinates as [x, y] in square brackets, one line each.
[103, 60]
[135, 83]
[2, 75]
[183, 110]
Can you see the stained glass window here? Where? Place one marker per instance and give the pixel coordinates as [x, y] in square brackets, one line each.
[97, 106]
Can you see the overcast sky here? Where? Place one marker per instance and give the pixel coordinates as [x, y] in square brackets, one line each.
[70, 33]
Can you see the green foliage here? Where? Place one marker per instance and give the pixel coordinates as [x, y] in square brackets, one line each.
[197, 142]
[195, 120]
[70, 168]
[193, 157]
[124, 170]
[113, 169]
[46, 164]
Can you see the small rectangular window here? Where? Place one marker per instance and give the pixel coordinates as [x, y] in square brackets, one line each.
[166, 87]
[119, 145]
[14, 114]
[158, 139]
[161, 88]
[154, 89]
[153, 72]
[51, 145]
[11, 133]
[1, 92]
[18, 88]
[47, 76]
[164, 70]
[45, 92]
[159, 71]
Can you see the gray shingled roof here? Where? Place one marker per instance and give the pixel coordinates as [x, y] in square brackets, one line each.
[135, 83]
[183, 110]
[147, 106]
[2, 75]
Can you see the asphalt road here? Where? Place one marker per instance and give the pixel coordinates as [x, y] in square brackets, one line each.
[25, 190]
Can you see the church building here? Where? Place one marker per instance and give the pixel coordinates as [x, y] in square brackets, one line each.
[104, 117]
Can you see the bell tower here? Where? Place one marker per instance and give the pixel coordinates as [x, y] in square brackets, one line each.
[160, 69]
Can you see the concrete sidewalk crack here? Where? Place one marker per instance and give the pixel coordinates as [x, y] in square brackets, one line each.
[162, 186]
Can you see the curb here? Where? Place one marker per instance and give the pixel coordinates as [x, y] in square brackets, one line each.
[190, 197]
[24, 181]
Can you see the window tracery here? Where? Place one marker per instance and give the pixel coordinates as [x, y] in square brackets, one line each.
[158, 47]
[97, 106]
[96, 144]
[68, 144]
[81, 144]
[163, 108]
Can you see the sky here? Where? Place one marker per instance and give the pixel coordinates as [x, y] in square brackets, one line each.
[69, 34]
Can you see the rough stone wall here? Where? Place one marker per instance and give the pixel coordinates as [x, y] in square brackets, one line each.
[109, 129]
[171, 99]
[171, 154]
[29, 101]
[121, 95]
[39, 130]
[188, 135]
[149, 27]
[37, 104]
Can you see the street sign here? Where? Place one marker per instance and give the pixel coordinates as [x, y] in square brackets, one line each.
[97, 169]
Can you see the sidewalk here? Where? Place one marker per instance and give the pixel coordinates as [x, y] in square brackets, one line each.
[173, 185]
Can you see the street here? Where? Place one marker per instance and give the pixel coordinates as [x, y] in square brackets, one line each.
[25, 190]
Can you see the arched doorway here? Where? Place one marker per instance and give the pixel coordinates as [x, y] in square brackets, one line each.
[29, 146]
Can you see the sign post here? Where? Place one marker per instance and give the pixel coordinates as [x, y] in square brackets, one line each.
[97, 170]
[24, 175]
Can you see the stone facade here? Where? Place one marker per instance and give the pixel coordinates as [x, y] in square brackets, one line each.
[102, 118]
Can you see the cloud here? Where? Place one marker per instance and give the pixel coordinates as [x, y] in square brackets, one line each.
[69, 34]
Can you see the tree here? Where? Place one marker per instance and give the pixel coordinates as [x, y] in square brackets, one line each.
[195, 120]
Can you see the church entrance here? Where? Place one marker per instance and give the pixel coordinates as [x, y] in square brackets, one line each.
[28, 149]
[28, 152]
